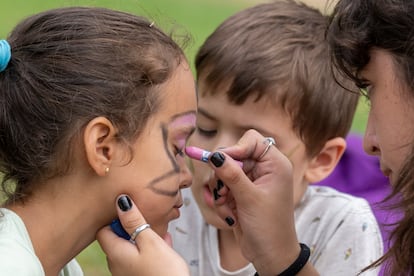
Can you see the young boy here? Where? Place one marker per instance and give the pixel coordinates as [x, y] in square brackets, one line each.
[268, 68]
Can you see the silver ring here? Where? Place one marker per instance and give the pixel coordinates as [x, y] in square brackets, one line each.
[270, 141]
[139, 229]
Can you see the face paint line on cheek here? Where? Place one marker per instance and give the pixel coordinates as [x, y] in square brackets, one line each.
[174, 172]
[153, 185]
[179, 121]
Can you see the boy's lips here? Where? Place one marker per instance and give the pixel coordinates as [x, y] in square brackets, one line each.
[208, 197]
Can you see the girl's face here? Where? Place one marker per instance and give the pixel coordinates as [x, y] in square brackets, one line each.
[390, 127]
[221, 123]
[157, 171]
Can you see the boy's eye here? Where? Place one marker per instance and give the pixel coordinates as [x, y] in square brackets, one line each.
[206, 133]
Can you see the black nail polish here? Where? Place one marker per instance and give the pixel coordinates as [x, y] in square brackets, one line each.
[229, 221]
[216, 195]
[124, 203]
[217, 159]
[220, 185]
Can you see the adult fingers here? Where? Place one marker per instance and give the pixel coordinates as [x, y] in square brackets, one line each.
[150, 255]
[130, 218]
[133, 222]
[266, 176]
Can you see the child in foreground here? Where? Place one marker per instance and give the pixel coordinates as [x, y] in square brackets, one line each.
[267, 68]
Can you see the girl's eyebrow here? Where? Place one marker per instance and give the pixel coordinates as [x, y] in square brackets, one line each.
[183, 119]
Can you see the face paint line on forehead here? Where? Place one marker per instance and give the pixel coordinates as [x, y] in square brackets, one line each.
[187, 120]
[164, 131]
[175, 168]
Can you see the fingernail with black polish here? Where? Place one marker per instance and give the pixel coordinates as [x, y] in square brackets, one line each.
[124, 203]
[216, 195]
[220, 185]
[229, 221]
[217, 159]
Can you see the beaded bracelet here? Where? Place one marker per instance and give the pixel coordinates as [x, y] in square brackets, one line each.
[298, 264]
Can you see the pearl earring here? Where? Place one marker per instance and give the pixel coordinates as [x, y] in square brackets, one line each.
[106, 170]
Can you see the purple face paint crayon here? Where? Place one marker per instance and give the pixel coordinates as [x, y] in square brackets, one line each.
[202, 155]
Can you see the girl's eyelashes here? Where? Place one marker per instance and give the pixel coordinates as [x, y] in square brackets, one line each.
[178, 151]
[364, 89]
[365, 92]
[205, 132]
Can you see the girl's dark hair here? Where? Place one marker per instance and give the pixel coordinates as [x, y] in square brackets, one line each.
[68, 66]
[356, 28]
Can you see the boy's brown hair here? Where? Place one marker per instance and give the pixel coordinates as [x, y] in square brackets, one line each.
[278, 50]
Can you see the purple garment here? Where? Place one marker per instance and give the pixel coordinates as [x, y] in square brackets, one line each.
[359, 174]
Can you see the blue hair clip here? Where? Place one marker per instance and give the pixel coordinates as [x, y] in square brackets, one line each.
[5, 54]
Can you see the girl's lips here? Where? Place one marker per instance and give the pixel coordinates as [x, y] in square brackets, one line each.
[176, 208]
[175, 213]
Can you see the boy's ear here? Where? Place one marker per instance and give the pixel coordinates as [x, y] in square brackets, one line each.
[326, 160]
[99, 142]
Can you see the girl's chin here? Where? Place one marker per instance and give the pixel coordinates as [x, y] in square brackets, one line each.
[161, 230]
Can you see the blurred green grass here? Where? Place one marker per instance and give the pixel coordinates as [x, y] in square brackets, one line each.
[197, 17]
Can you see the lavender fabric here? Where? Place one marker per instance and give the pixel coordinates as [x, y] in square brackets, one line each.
[359, 174]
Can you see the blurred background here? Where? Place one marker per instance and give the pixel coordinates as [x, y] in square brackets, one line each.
[198, 18]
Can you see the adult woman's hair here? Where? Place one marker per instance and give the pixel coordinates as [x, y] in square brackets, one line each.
[356, 28]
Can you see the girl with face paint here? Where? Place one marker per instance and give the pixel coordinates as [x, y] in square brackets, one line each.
[96, 107]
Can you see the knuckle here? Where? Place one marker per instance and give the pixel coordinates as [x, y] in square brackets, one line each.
[132, 223]
[233, 176]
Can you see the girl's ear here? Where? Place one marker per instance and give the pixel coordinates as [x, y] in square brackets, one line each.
[99, 140]
[326, 160]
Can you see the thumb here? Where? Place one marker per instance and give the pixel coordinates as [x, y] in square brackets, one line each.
[132, 222]
[129, 219]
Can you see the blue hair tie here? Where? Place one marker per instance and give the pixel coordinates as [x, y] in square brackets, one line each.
[5, 54]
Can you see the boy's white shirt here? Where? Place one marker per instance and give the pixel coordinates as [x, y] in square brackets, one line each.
[340, 229]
